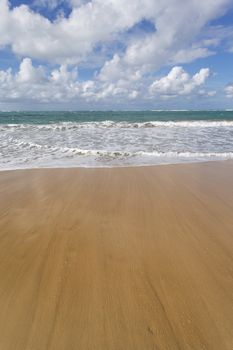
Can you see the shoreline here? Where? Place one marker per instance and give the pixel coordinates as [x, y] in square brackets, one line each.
[117, 258]
[121, 166]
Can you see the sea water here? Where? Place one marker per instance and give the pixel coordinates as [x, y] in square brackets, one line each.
[102, 139]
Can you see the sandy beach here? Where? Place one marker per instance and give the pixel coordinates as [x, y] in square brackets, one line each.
[117, 258]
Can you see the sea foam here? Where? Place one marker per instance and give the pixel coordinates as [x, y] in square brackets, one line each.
[114, 143]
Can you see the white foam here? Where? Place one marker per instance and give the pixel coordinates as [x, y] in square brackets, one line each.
[111, 143]
[119, 153]
[63, 126]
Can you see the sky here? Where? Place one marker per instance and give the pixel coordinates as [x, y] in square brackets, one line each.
[116, 54]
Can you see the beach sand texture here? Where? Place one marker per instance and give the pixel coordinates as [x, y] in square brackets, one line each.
[125, 258]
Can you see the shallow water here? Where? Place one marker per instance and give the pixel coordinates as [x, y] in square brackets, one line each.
[70, 139]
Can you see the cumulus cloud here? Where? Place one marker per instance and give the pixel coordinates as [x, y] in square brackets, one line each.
[176, 39]
[67, 40]
[33, 83]
[72, 39]
[101, 34]
[114, 70]
[28, 74]
[179, 82]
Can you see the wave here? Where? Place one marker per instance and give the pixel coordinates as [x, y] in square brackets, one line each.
[118, 153]
[63, 126]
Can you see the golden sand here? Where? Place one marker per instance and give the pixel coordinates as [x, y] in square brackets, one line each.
[124, 259]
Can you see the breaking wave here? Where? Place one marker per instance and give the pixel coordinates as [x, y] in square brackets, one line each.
[114, 143]
[117, 153]
[63, 126]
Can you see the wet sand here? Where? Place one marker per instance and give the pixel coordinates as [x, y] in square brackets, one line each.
[130, 258]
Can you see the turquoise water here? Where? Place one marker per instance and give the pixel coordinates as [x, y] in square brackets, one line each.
[101, 139]
[92, 116]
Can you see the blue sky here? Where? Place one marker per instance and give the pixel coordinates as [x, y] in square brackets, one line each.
[102, 54]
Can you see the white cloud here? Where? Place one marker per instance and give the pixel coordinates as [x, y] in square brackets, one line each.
[179, 82]
[173, 40]
[31, 83]
[71, 40]
[191, 54]
[115, 70]
[29, 74]
[211, 93]
[67, 40]
[62, 84]
[229, 90]
[62, 75]
[125, 61]
[220, 34]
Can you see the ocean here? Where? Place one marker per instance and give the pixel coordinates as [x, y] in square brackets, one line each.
[107, 139]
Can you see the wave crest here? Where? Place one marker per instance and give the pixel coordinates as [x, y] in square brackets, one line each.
[63, 126]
